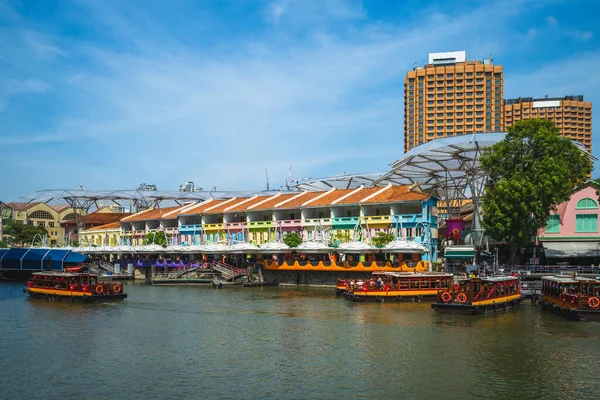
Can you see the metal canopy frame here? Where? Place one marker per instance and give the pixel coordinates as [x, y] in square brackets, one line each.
[81, 199]
[345, 181]
[448, 168]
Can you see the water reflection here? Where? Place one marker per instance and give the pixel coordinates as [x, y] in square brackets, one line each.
[288, 343]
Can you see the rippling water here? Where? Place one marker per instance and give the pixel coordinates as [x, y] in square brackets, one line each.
[282, 343]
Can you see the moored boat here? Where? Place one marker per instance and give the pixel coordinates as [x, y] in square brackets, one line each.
[397, 286]
[73, 286]
[575, 298]
[479, 295]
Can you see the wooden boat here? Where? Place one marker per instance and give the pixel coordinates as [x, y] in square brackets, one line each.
[397, 286]
[479, 295]
[73, 286]
[575, 298]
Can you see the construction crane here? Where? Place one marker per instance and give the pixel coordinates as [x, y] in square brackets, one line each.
[267, 174]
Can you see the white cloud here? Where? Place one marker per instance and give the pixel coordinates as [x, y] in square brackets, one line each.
[167, 112]
[551, 21]
[581, 35]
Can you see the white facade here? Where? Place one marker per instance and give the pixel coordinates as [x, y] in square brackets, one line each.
[449, 57]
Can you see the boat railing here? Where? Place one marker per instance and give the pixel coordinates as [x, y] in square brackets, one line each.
[553, 269]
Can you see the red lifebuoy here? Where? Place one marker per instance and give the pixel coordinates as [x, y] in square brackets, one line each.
[446, 297]
[99, 289]
[461, 298]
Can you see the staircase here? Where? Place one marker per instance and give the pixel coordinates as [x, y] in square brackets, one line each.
[106, 266]
[227, 271]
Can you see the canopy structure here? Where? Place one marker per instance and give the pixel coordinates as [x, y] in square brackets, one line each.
[139, 199]
[356, 247]
[345, 181]
[274, 248]
[38, 258]
[570, 249]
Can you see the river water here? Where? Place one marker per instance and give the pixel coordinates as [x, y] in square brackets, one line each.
[286, 343]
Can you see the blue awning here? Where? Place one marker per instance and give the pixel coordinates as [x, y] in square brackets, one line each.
[38, 258]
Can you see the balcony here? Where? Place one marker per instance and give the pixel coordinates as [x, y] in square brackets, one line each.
[290, 223]
[348, 222]
[408, 218]
[196, 228]
[260, 224]
[379, 219]
[212, 227]
[236, 226]
[316, 221]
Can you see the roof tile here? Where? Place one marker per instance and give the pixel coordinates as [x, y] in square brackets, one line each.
[397, 194]
[271, 203]
[248, 204]
[225, 205]
[355, 198]
[329, 197]
[297, 202]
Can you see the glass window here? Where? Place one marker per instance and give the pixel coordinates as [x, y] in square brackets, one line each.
[586, 223]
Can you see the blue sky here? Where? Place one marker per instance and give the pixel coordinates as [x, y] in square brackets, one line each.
[109, 94]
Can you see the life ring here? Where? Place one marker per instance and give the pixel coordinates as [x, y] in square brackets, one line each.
[461, 298]
[117, 288]
[593, 302]
[99, 289]
[446, 297]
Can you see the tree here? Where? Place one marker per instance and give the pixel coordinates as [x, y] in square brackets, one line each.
[157, 237]
[3, 244]
[529, 173]
[338, 237]
[24, 234]
[382, 238]
[292, 239]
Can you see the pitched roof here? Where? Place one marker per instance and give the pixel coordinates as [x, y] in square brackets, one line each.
[396, 194]
[355, 198]
[298, 201]
[150, 214]
[21, 206]
[199, 208]
[273, 201]
[247, 205]
[59, 207]
[329, 197]
[227, 204]
[99, 218]
[112, 225]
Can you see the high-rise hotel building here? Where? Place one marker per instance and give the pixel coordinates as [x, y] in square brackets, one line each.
[451, 96]
[571, 114]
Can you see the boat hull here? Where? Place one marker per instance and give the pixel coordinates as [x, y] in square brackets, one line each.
[391, 295]
[476, 309]
[76, 297]
[571, 313]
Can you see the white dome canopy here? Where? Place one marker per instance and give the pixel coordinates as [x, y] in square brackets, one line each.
[313, 246]
[404, 246]
[275, 247]
[356, 247]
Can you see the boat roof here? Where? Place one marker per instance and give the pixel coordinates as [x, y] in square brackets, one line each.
[503, 278]
[567, 279]
[413, 274]
[63, 274]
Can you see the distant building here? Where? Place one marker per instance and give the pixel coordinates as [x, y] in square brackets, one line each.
[146, 186]
[48, 216]
[571, 114]
[451, 96]
[189, 187]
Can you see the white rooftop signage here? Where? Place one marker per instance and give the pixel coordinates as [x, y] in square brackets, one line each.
[546, 103]
[449, 57]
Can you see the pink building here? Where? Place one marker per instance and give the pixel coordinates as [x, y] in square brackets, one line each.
[571, 233]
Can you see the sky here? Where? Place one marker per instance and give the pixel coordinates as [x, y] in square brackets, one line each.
[108, 94]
